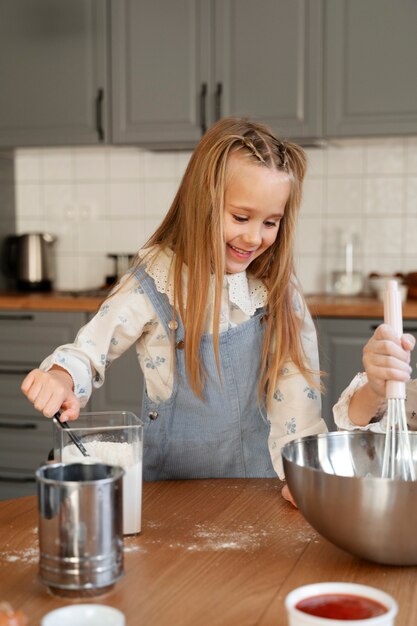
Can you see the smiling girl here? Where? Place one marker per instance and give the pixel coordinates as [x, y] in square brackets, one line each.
[224, 339]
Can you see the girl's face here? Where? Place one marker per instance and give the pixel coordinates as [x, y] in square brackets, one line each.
[255, 200]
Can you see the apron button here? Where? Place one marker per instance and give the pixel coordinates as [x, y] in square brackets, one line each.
[173, 325]
[180, 345]
[153, 415]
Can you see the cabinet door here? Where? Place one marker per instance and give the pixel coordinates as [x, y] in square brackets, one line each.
[160, 71]
[26, 338]
[370, 68]
[341, 342]
[29, 336]
[123, 387]
[268, 63]
[53, 70]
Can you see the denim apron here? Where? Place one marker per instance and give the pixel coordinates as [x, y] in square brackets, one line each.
[223, 436]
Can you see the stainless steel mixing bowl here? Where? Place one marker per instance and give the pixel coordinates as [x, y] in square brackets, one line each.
[335, 481]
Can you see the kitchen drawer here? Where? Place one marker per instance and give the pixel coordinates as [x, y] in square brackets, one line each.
[24, 442]
[15, 484]
[29, 336]
[12, 400]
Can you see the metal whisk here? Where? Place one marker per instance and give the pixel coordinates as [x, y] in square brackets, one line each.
[398, 459]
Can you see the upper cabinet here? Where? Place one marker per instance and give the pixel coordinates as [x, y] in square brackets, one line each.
[267, 63]
[179, 66]
[157, 73]
[53, 72]
[370, 67]
[160, 70]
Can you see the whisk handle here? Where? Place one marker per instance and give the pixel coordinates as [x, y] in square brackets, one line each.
[393, 316]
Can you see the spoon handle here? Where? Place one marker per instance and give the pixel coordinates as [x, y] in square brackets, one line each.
[75, 439]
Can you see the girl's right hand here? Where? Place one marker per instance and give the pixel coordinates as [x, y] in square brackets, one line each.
[52, 391]
[385, 357]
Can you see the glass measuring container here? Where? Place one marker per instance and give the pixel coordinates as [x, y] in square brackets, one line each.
[114, 438]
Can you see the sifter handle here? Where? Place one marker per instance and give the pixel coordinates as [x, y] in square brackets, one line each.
[394, 318]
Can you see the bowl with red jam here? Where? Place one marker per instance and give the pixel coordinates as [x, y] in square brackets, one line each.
[337, 603]
[335, 480]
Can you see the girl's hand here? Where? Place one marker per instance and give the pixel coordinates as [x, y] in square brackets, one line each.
[52, 391]
[286, 494]
[385, 357]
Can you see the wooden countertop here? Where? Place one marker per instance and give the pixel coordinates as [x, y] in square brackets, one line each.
[320, 305]
[323, 305]
[49, 302]
[212, 552]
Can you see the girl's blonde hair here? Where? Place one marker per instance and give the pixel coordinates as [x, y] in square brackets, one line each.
[193, 230]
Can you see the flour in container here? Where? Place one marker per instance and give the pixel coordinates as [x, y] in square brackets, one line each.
[124, 455]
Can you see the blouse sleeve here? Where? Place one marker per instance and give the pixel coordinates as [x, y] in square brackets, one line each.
[378, 424]
[295, 410]
[120, 321]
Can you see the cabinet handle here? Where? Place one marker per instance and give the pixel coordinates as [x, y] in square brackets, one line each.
[203, 117]
[7, 372]
[99, 114]
[218, 101]
[17, 426]
[11, 317]
[17, 479]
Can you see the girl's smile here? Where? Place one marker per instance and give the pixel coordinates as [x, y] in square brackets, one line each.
[255, 201]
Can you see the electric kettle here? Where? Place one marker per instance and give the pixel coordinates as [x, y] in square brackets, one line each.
[28, 261]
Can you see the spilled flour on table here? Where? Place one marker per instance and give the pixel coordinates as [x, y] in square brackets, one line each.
[205, 537]
[130, 545]
[27, 555]
[212, 538]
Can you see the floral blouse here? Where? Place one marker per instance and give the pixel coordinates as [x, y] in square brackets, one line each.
[128, 318]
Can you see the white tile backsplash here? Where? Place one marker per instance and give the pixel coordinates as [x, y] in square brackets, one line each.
[57, 164]
[345, 159]
[344, 196]
[411, 195]
[411, 155]
[107, 199]
[384, 237]
[126, 164]
[126, 199]
[90, 164]
[159, 195]
[385, 156]
[385, 195]
[28, 166]
[28, 199]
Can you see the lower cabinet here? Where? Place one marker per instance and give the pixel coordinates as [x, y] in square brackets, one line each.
[341, 342]
[26, 338]
[123, 387]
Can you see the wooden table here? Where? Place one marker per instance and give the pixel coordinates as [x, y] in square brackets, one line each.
[211, 553]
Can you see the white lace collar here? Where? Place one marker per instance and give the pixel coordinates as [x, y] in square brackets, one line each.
[245, 292]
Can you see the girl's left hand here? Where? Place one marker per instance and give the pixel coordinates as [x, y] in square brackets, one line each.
[286, 494]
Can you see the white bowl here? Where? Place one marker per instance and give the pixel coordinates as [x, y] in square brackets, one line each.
[84, 615]
[377, 285]
[299, 618]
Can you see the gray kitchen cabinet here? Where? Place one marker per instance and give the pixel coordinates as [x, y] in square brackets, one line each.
[370, 75]
[123, 386]
[341, 342]
[268, 58]
[54, 72]
[177, 67]
[160, 70]
[26, 338]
